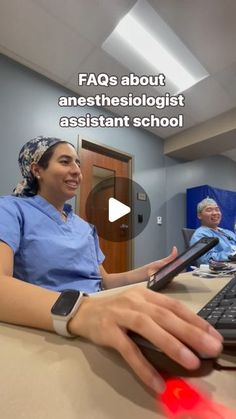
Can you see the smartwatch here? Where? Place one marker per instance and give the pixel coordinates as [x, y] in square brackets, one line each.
[64, 309]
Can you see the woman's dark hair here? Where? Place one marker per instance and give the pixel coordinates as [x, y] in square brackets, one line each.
[45, 159]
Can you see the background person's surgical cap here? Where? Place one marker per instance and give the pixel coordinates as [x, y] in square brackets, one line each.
[204, 203]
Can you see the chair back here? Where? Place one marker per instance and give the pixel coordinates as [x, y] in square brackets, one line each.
[187, 234]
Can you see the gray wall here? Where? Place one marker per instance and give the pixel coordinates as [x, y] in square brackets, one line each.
[28, 107]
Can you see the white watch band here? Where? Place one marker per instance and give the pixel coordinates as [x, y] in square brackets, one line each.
[60, 327]
[60, 323]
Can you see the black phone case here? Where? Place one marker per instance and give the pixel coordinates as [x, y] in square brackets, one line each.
[161, 279]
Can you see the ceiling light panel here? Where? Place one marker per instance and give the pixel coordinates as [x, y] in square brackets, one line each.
[144, 43]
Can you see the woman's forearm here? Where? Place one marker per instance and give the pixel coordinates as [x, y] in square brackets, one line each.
[25, 304]
[135, 275]
[125, 278]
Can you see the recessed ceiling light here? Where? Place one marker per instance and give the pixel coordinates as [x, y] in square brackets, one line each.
[143, 40]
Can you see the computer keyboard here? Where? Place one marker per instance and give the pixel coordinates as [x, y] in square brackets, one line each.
[220, 312]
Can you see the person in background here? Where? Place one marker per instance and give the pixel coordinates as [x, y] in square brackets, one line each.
[210, 216]
[50, 257]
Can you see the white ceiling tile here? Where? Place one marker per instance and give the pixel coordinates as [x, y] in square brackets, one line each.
[100, 62]
[32, 66]
[41, 39]
[97, 62]
[207, 28]
[94, 19]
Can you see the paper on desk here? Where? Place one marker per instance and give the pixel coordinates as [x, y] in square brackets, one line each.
[205, 272]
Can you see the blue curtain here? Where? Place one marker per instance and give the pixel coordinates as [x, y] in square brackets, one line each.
[225, 199]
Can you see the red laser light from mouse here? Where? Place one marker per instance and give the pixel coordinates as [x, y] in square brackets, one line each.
[180, 400]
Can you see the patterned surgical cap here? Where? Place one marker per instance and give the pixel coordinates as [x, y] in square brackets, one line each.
[31, 152]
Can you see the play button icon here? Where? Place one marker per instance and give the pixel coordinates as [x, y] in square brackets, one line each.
[118, 207]
[116, 210]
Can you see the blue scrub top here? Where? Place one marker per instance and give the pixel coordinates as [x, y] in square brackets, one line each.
[225, 247]
[49, 252]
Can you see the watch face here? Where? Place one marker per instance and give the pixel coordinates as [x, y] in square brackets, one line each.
[65, 303]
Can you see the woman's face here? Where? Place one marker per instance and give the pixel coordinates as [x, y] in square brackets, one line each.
[62, 177]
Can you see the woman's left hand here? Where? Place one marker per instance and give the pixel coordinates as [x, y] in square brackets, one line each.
[136, 275]
[158, 264]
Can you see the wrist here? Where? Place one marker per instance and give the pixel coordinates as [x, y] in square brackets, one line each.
[64, 309]
[77, 324]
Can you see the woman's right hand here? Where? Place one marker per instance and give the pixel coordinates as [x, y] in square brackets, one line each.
[165, 322]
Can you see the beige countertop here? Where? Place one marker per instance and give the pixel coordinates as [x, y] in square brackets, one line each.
[45, 376]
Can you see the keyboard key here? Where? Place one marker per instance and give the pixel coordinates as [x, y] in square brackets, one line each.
[226, 323]
[212, 321]
[227, 302]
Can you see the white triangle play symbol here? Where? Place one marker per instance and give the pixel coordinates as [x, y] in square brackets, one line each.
[116, 209]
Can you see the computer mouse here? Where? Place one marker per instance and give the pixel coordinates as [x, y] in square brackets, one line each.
[165, 364]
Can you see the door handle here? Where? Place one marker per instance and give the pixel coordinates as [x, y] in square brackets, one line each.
[124, 226]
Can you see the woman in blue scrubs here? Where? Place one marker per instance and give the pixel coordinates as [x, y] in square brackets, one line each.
[46, 249]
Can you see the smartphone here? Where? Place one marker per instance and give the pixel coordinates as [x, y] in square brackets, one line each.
[165, 275]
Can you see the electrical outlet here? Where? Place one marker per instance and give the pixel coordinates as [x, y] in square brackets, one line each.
[159, 220]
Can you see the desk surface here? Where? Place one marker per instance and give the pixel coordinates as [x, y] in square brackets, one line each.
[44, 376]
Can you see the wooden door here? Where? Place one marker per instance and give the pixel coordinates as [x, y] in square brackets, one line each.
[95, 167]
